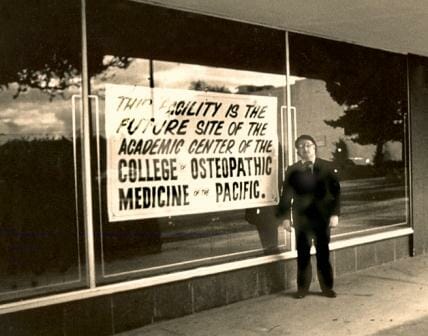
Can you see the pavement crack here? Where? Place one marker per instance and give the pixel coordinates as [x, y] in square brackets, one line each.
[397, 280]
[269, 330]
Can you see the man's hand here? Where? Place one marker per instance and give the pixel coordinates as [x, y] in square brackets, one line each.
[334, 221]
[287, 224]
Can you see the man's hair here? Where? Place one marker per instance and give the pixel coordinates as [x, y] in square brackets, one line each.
[304, 137]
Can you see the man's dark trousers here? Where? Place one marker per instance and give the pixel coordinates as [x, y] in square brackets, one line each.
[307, 229]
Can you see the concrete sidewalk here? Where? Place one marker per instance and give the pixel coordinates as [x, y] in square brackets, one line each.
[385, 300]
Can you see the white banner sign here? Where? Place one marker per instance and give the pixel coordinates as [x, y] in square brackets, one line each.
[173, 152]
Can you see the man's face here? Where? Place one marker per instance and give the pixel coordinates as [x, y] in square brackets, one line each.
[306, 150]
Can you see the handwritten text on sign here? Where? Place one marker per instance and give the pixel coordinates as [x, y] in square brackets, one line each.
[173, 152]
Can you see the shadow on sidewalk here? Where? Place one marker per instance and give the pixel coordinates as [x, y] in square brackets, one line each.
[417, 327]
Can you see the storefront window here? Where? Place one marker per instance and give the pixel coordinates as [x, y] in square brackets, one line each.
[155, 52]
[40, 224]
[353, 101]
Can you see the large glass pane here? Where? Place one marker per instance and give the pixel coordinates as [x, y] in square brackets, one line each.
[40, 228]
[157, 52]
[353, 101]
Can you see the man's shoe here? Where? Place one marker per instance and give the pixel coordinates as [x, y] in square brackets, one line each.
[329, 293]
[300, 294]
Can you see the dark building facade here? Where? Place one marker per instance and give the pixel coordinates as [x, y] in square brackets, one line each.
[143, 150]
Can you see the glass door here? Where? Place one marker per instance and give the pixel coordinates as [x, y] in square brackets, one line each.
[41, 244]
[353, 101]
[181, 93]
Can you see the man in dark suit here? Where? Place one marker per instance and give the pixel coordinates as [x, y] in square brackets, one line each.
[310, 202]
